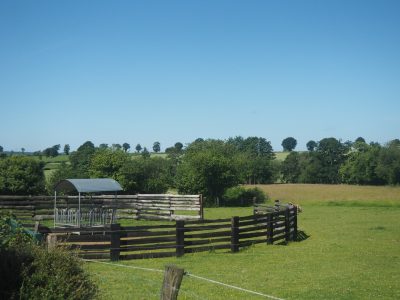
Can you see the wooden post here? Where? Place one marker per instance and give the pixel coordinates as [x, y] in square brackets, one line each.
[295, 224]
[115, 241]
[235, 234]
[270, 228]
[180, 238]
[172, 282]
[201, 207]
[36, 228]
[51, 241]
[287, 224]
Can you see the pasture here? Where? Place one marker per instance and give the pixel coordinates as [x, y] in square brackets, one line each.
[350, 250]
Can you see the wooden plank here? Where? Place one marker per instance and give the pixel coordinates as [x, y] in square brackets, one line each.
[253, 228]
[207, 241]
[149, 233]
[151, 240]
[99, 255]
[149, 247]
[208, 234]
[251, 235]
[206, 227]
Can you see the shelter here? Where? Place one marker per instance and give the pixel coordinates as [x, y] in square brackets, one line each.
[86, 214]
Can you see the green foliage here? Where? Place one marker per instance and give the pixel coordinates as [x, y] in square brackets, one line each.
[240, 196]
[207, 168]
[126, 147]
[145, 153]
[67, 148]
[80, 159]
[156, 147]
[34, 273]
[21, 175]
[311, 145]
[145, 175]
[389, 164]
[138, 148]
[290, 168]
[289, 144]
[106, 163]
[52, 151]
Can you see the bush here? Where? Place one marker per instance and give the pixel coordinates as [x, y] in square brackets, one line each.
[34, 273]
[240, 196]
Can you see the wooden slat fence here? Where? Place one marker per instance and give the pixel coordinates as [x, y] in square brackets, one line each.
[141, 206]
[134, 242]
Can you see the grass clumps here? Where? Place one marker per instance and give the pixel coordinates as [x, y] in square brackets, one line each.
[241, 196]
[35, 273]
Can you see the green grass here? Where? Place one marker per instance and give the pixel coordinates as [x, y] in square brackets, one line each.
[352, 252]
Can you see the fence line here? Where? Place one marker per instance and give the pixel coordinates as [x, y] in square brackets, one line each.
[118, 242]
[141, 206]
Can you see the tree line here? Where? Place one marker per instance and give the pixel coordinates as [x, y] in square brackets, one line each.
[212, 167]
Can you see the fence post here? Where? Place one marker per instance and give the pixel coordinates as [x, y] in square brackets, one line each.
[51, 241]
[287, 224]
[180, 238]
[270, 228]
[172, 282]
[201, 207]
[115, 241]
[235, 234]
[295, 224]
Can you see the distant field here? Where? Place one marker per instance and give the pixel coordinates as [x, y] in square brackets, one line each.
[326, 193]
[281, 155]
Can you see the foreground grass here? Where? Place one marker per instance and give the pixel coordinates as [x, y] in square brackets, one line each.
[352, 252]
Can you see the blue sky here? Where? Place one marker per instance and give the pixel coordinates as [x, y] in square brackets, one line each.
[168, 71]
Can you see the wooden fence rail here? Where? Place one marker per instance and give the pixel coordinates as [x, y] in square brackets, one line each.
[141, 206]
[133, 242]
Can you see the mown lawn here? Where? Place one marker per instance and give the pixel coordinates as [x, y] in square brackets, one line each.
[351, 250]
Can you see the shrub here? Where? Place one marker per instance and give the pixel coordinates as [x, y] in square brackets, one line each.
[240, 196]
[34, 273]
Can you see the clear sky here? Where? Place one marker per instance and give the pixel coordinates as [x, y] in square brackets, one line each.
[168, 71]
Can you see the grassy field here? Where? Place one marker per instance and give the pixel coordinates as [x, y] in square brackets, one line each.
[350, 250]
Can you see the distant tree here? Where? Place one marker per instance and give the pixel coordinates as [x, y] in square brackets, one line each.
[289, 144]
[394, 143]
[388, 167]
[21, 175]
[360, 140]
[178, 146]
[107, 163]
[66, 149]
[126, 147]
[156, 147]
[311, 145]
[52, 151]
[291, 168]
[23, 150]
[138, 148]
[80, 159]
[103, 146]
[1, 149]
[145, 153]
[116, 146]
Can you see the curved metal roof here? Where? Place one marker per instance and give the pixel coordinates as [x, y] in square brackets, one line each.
[88, 185]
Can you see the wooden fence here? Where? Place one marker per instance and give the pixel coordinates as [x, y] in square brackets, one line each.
[132, 242]
[142, 206]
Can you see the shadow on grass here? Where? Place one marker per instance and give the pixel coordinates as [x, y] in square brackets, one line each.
[301, 236]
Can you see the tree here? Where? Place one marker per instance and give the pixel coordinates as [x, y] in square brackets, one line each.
[66, 149]
[52, 151]
[156, 147]
[388, 167]
[126, 147]
[107, 163]
[360, 140]
[145, 153]
[289, 144]
[291, 168]
[21, 175]
[311, 145]
[145, 175]
[1, 149]
[80, 159]
[23, 150]
[116, 146]
[207, 168]
[103, 146]
[138, 148]
[178, 146]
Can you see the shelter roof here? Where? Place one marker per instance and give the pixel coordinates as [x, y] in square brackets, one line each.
[88, 185]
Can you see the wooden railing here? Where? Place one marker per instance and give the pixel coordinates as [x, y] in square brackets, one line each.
[142, 206]
[132, 242]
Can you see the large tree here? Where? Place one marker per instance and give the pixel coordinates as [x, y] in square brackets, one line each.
[291, 168]
[138, 148]
[106, 163]
[66, 149]
[208, 168]
[126, 147]
[289, 144]
[311, 145]
[21, 175]
[80, 159]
